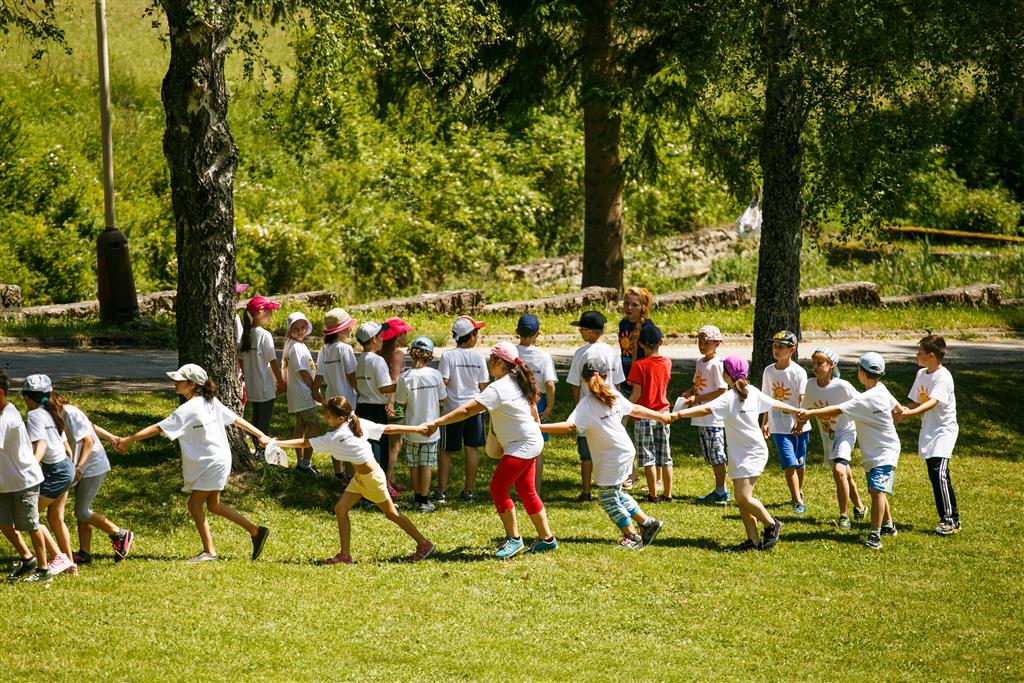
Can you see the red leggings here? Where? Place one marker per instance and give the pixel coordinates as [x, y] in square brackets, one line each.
[519, 472]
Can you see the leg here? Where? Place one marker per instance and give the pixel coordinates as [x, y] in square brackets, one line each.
[403, 522]
[800, 481]
[745, 492]
[587, 475]
[394, 447]
[719, 477]
[444, 466]
[38, 538]
[55, 518]
[472, 463]
[16, 540]
[414, 479]
[793, 482]
[938, 473]
[85, 493]
[854, 493]
[341, 510]
[652, 479]
[299, 431]
[196, 499]
[538, 474]
[666, 480]
[840, 473]
[527, 493]
[214, 505]
[502, 480]
[878, 508]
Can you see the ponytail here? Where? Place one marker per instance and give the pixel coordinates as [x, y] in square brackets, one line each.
[208, 391]
[53, 406]
[740, 385]
[523, 377]
[339, 406]
[601, 391]
[246, 344]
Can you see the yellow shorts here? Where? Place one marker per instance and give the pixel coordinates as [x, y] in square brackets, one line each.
[373, 486]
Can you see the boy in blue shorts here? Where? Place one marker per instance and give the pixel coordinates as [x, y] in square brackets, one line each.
[787, 382]
[873, 411]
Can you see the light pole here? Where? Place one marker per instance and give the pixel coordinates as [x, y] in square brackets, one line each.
[115, 284]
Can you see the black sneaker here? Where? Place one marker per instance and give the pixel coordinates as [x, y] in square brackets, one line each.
[889, 530]
[650, 530]
[309, 469]
[745, 547]
[258, 540]
[22, 568]
[439, 497]
[467, 496]
[771, 535]
[874, 541]
[39, 576]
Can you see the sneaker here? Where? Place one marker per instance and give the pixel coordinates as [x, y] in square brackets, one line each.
[342, 479]
[308, 469]
[393, 492]
[204, 557]
[874, 541]
[122, 545]
[81, 557]
[771, 535]
[745, 547]
[667, 499]
[439, 497]
[425, 506]
[859, 514]
[542, 546]
[799, 508]
[338, 559]
[467, 496]
[584, 498]
[651, 498]
[258, 540]
[39, 576]
[650, 530]
[714, 498]
[59, 564]
[422, 552]
[398, 486]
[947, 529]
[632, 542]
[889, 530]
[844, 523]
[510, 548]
[22, 568]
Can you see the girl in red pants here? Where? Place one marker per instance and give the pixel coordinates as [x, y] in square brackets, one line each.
[511, 400]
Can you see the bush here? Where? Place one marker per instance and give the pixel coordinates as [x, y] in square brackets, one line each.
[939, 198]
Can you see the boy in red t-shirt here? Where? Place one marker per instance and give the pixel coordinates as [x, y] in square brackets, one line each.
[649, 377]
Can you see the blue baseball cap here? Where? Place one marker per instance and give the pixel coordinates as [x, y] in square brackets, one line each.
[872, 362]
[650, 335]
[423, 344]
[528, 325]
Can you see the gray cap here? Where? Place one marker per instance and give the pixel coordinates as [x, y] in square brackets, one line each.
[872, 362]
[40, 383]
[368, 331]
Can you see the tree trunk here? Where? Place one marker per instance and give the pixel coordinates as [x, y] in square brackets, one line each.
[202, 158]
[602, 167]
[781, 155]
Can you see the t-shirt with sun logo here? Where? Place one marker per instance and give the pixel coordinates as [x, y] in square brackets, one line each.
[836, 392]
[787, 386]
[708, 377]
[939, 427]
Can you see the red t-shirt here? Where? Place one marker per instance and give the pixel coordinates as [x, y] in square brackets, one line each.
[652, 374]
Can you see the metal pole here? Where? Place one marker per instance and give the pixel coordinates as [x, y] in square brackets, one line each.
[108, 141]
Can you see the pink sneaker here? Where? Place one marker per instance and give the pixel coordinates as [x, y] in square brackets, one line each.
[422, 552]
[122, 545]
[60, 564]
[393, 492]
[339, 559]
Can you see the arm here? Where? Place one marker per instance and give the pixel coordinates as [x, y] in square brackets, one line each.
[244, 425]
[301, 442]
[575, 394]
[404, 429]
[353, 382]
[86, 453]
[558, 428]
[918, 408]
[459, 414]
[40, 449]
[804, 415]
[697, 411]
[708, 397]
[141, 435]
[634, 395]
[648, 414]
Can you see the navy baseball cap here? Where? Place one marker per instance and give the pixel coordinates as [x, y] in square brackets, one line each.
[528, 325]
[650, 335]
[785, 337]
[591, 320]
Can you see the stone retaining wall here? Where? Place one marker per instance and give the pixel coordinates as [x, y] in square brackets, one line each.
[732, 295]
[591, 297]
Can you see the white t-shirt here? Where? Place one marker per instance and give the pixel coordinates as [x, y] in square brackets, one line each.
[541, 364]
[872, 411]
[341, 444]
[300, 396]
[939, 427]
[595, 350]
[77, 425]
[708, 376]
[787, 386]
[421, 390]
[259, 380]
[239, 328]
[608, 439]
[18, 467]
[832, 429]
[42, 428]
[512, 419]
[372, 373]
[464, 370]
[334, 363]
[744, 440]
[198, 427]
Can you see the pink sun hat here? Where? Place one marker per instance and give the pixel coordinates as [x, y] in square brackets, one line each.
[337, 320]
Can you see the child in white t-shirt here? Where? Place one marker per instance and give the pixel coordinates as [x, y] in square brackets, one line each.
[348, 440]
[376, 389]
[872, 410]
[543, 366]
[746, 448]
[934, 398]
[302, 399]
[258, 360]
[838, 434]
[591, 325]
[336, 368]
[421, 392]
[198, 425]
[709, 384]
[599, 416]
[786, 381]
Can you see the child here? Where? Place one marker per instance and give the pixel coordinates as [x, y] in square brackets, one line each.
[591, 325]
[20, 479]
[709, 384]
[511, 401]
[786, 381]
[52, 451]
[347, 441]
[393, 339]
[302, 400]
[543, 367]
[746, 447]
[872, 411]
[258, 358]
[599, 415]
[198, 427]
[421, 391]
[91, 467]
[465, 375]
[336, 366]
[636, 307]
[933, 397]
[376, 388]
[649, 378]
[838, 434]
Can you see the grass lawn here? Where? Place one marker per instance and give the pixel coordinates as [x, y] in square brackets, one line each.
[820, 606]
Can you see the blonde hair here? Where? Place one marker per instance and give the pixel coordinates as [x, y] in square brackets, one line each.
[600, 390]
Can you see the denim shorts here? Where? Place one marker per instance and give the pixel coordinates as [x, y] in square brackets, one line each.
[583, 448]
[792, 449]
[882, 478]
[57, 478]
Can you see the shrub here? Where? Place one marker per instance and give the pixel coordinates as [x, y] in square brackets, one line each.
[939, 198]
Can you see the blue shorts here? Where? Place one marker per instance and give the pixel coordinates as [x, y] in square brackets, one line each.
[542, 403]
[792, 449]
[882, 478]
[469, 432]
[583, 448]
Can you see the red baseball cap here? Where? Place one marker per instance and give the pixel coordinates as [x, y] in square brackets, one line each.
[394, 327]
[261, 303]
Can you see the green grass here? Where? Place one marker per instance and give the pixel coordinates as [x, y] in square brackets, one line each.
[925, 608]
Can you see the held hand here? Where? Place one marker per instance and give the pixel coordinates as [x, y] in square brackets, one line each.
[281, 388]
[389, 409]
[767, 432]
[431, 428]
[691, 400]
[122, 445]
[546, 414]
[264, 440]
[802, 417]
[78, 475]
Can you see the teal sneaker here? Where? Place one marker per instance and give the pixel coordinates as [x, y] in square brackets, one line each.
[510, 548]
[859, 513]
[844, 523]
[799, 508]
[542, 546]
[715, 498]
[889, 529]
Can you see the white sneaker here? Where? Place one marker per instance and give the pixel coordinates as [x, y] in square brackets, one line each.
[204, 557]
[60, 563]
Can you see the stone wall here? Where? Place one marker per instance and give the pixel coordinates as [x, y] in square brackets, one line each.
[731, 295]
[581, 300]
[454, 302]
[10, 300]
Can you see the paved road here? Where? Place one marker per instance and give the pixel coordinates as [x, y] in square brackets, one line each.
[143, 369]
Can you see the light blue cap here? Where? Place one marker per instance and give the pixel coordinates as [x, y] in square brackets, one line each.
[872, 362]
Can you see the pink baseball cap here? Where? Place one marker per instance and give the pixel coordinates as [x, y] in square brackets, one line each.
[394, 327]
[261, 303]
[505, 351]
[240, 287]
